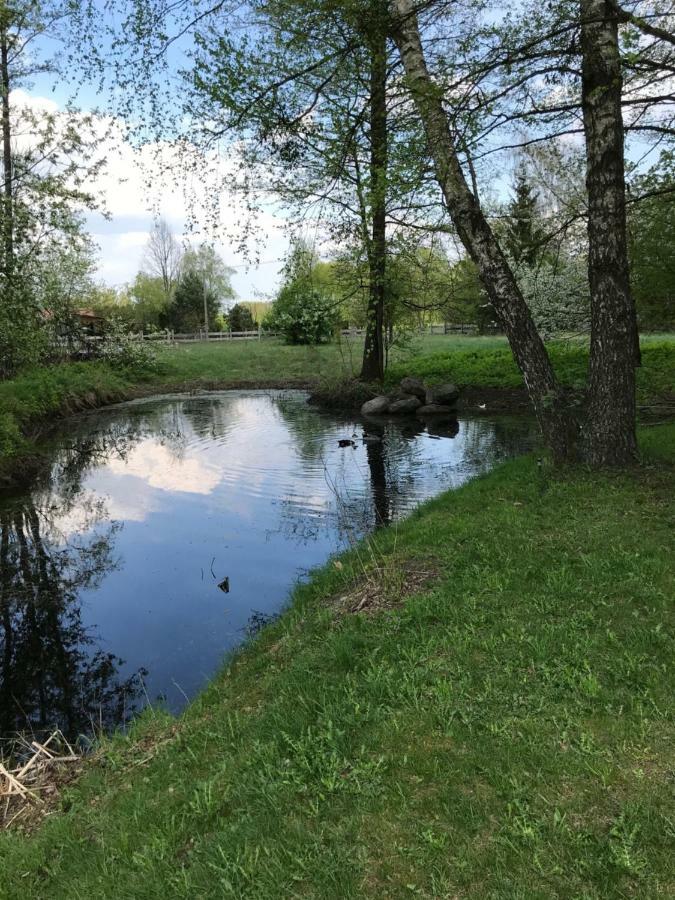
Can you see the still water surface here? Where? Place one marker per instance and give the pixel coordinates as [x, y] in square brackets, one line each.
[115, 566]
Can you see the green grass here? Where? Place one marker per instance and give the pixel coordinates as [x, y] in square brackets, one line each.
[494, 367]
[503, 731]
[40, 393]
[253, 361]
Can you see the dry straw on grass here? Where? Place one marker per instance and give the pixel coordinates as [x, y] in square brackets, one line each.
[28, 791]
[384, 587]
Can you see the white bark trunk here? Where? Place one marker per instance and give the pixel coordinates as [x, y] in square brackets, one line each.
[478, 238]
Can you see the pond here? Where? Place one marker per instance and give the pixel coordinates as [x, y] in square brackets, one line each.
[166, 530]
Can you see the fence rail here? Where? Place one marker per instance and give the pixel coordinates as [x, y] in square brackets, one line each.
[172, 337]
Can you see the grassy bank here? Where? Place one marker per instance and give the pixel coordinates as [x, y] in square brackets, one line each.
[495, 368]
[38, 397]
[496, 720]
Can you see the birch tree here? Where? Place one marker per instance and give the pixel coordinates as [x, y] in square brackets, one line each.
[479, 239]
[608, 435]
[542, 89]
[163, 256]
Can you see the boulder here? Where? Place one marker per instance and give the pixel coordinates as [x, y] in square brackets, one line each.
[436, 409]
[376, 406]
[443, 394]
[405, 405]
[414, 387]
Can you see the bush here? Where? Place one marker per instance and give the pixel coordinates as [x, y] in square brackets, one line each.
[303, 315]
[120, 349]
[341, 393]
[558, 296]
[23, 337]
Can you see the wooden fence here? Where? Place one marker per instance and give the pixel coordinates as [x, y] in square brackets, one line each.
[171, 337]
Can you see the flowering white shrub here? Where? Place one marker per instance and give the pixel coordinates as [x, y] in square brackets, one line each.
[121, 349]
[302, 315]
[558, 295]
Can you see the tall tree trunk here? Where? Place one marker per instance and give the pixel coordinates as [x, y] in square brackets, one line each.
[372, 368]
[480, 242]
[608, 435]
[7, 680]
[7, 201]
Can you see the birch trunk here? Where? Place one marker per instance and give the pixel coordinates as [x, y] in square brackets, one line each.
[480, 242]
[608, 435]
[7, 198]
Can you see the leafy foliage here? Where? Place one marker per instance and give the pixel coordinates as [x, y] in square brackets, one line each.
[652, 246]
[49, 161]
[119, 348]
[558, 295]
[302, 315]
[205, 262]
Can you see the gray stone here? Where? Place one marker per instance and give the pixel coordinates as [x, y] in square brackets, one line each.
[405, 405]
[443, 394]
[414, 387]
[436, 409]
[376, 406]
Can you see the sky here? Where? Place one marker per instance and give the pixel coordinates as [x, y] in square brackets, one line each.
[134, 193]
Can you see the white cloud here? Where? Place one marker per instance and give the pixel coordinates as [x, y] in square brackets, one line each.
[160, 468]
[138, 183]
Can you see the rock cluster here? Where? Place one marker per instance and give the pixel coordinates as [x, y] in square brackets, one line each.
[414, 397]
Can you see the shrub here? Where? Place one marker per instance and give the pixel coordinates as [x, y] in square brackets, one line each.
[240, 318]
[303, 315]
[120, 349]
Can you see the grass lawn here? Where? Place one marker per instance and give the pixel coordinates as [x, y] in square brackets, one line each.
[272, 359]
[496, 722]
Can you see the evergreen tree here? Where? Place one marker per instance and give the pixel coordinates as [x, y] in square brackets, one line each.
[240, 318]
[523, 232]
[192, 299]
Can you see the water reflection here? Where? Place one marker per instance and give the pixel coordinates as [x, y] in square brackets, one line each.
[111, 565]
[53, 674]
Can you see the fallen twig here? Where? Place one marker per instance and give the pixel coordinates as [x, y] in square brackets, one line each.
[48, 767]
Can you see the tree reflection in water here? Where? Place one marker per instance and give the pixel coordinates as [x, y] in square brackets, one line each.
[52, 674]
[393, 456]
